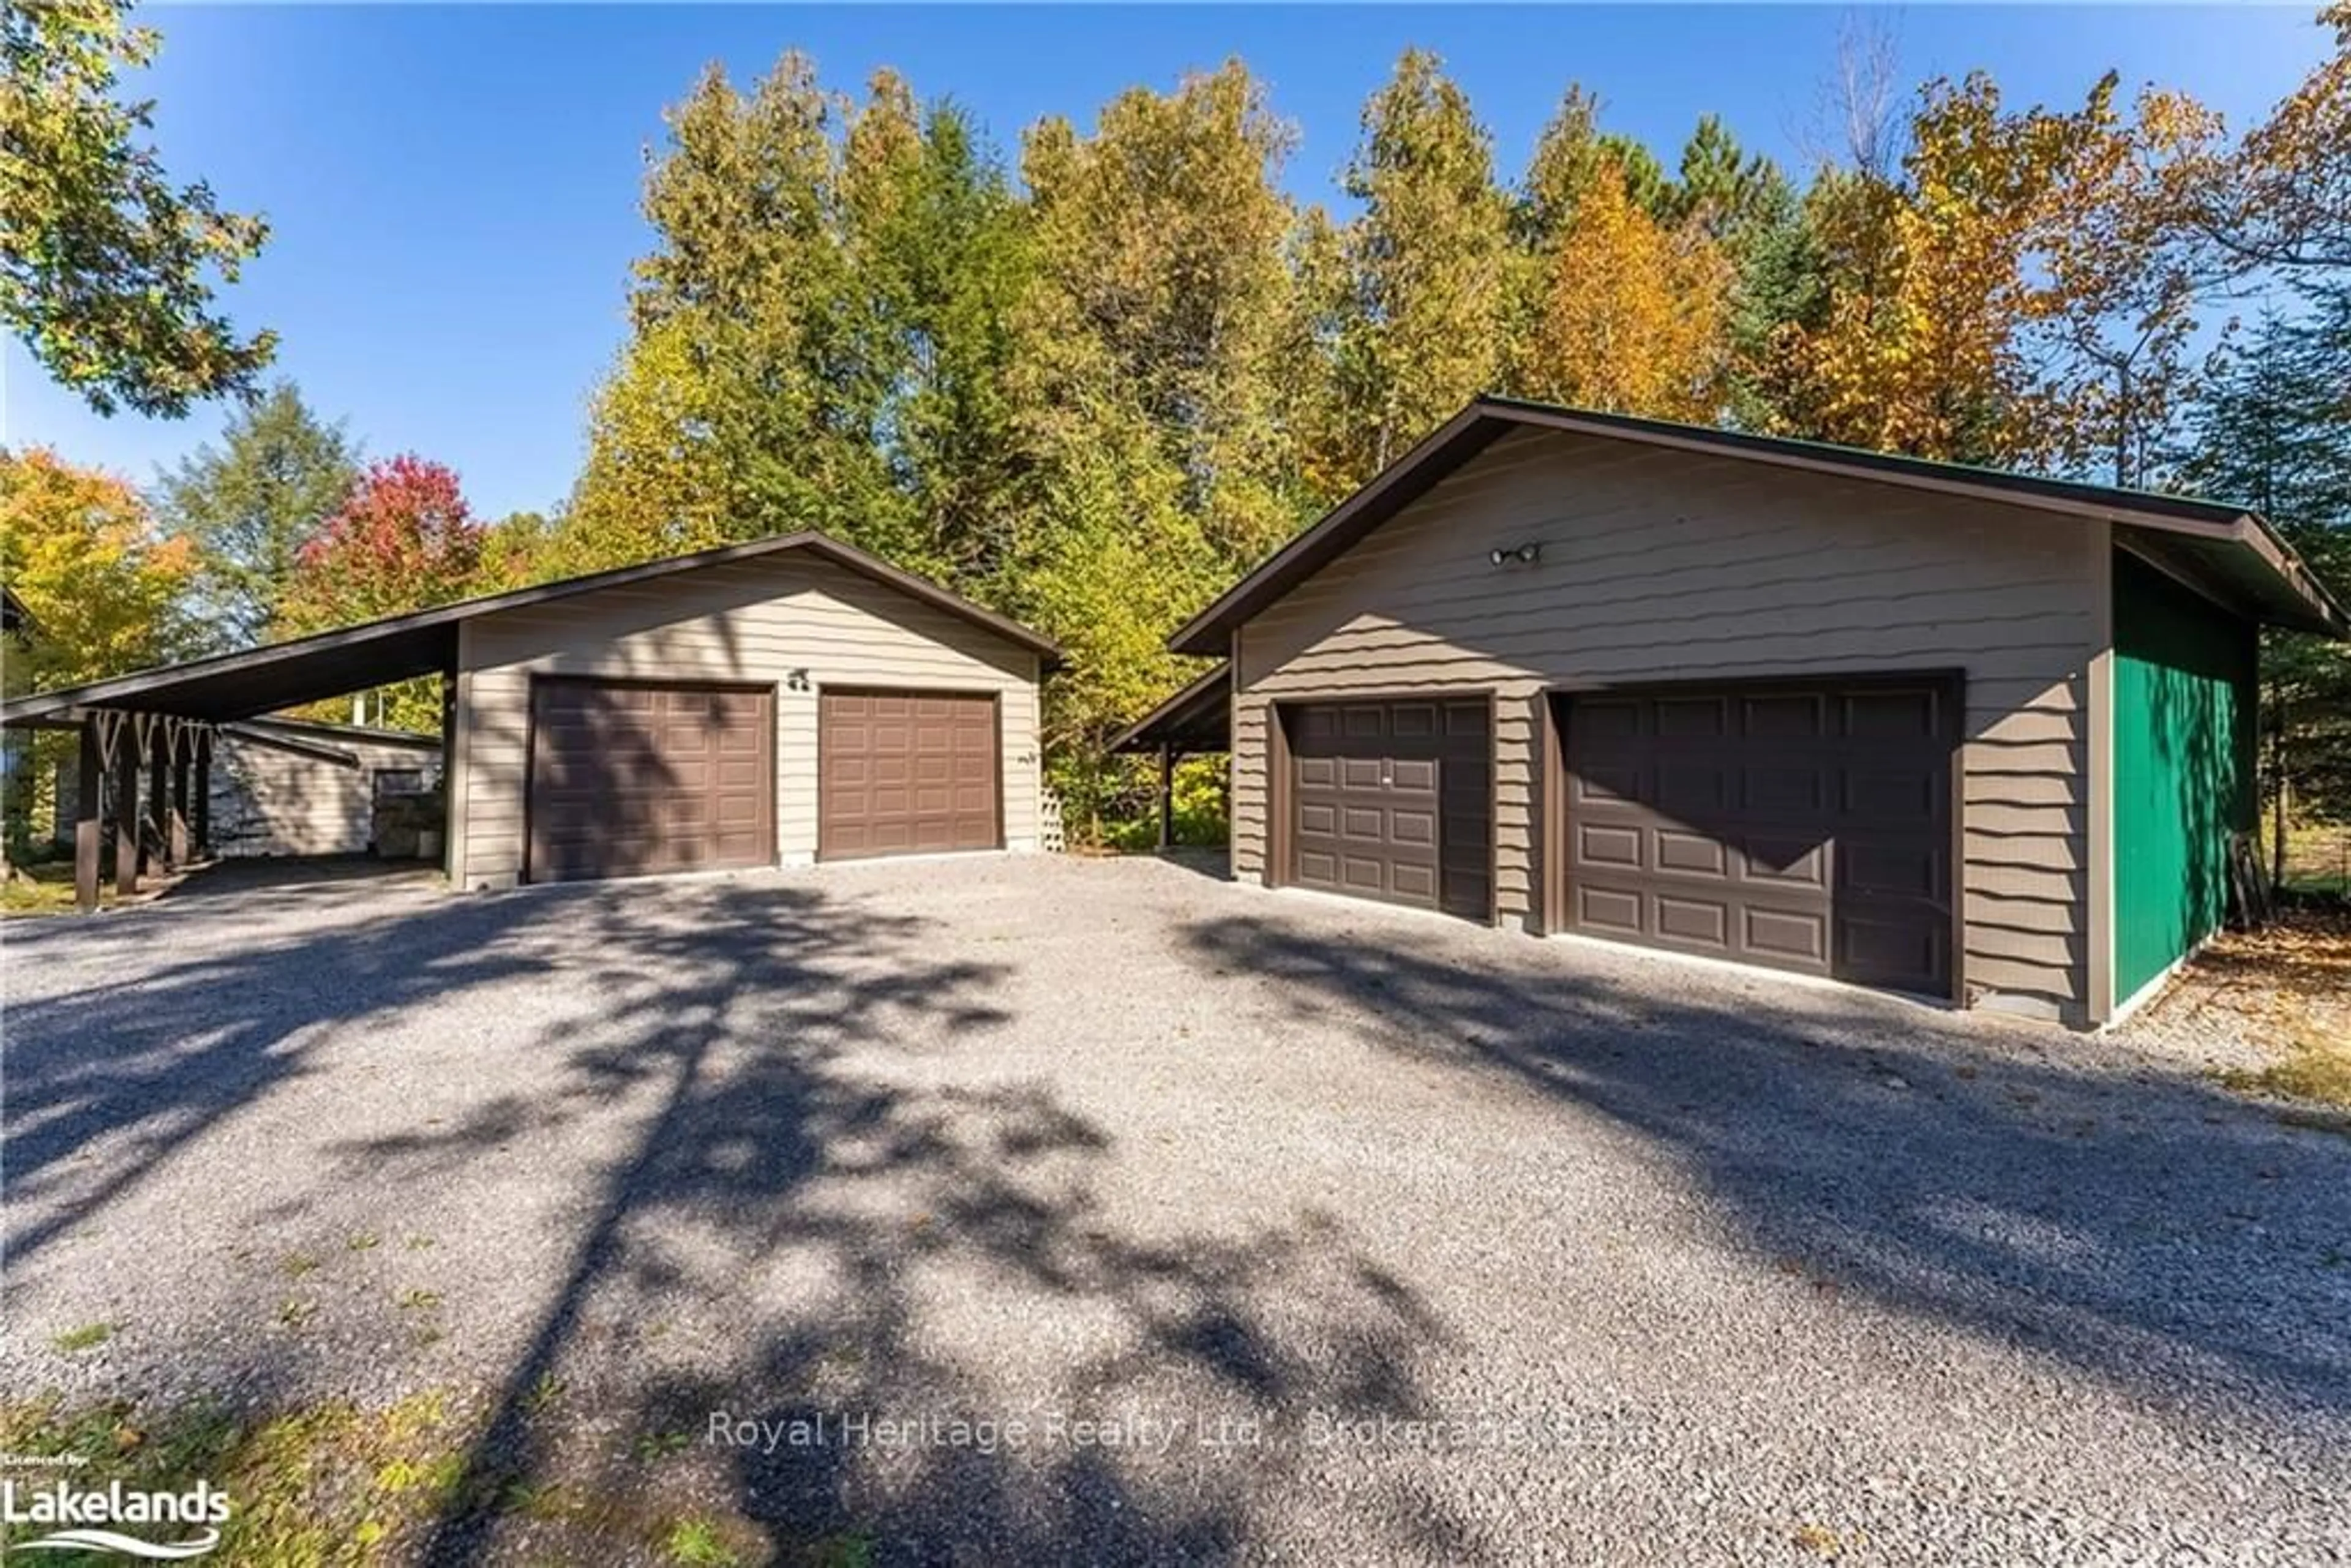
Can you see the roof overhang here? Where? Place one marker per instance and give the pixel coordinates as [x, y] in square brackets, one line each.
[258, 681]
[1196, 719]
[2231, 552]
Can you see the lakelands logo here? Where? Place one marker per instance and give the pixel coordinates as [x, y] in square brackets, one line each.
[89, 1517]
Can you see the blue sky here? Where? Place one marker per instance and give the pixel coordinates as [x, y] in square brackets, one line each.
[454, 189]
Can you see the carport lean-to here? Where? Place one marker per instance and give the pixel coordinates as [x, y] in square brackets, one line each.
[163, 722]
[654, 717]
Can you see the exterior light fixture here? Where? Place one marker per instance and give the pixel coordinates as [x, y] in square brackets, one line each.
[1524, 555]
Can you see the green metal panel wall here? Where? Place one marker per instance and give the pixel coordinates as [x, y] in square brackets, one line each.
[2184, 696]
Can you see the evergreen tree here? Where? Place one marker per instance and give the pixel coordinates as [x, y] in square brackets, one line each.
[2273, 434]
[249, 505]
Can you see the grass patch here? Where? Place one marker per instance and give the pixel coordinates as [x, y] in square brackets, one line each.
[2318, 1073]
[699, 1543]
[47, 888]
[298, 1264]
[326, 1483]
[334, 1483]
[364, 1242]
[543, 1395]
[90, 1336]
[419, 1300]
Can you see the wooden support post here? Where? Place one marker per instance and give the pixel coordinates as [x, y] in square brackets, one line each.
[126, 808]
[448, 772]
[159, 788]
[1167, 796]
[89, 822]
[184, 740]
[203, 803]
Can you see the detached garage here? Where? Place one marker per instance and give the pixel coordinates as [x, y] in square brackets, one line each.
[778, 702]
[1962, 734]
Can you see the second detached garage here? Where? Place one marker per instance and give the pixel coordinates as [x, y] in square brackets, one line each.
[1934, 729]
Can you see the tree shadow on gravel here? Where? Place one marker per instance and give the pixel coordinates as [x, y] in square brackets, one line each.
[2147, 1229]
[810, 1211]
[107, 1081]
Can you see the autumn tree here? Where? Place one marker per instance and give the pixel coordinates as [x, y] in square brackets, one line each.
[2281, 198]
[404, 540]
[1624, 288]
[1166, 450]
[820, 335]
[1163, 286]
[2022, 295]
[251, 503]
[107, 266]
[1429, 259]
[105, 589]
[105, 585]
[1630, 315]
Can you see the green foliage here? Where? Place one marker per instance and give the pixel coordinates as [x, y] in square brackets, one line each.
[1430, 263]
[2274, 434]
[1093, 397]
[106, 265]
[252, 503]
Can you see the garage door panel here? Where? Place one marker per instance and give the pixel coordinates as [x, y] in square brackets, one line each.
[1392, 800]
[1782, 791]
[1798, 862]
[1784, 717]
[1703, 921]
[631, 778]
[1788, 935]
[907, 772]
[1614, 910]
[1912, 715]
[1691, 854]
[1691, 718]
[1806, 827]
[1688, 786]
[1599, 845]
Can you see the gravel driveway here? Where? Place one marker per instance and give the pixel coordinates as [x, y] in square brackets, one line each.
[1278, 1225]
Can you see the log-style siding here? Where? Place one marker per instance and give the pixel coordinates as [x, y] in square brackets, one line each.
[1667, 566]
[754, 622]
[274, 800]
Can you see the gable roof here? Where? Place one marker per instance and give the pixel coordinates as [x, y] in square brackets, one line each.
[256, 681]
[2231, 550]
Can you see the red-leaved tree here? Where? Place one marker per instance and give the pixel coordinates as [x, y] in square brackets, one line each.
[405, 541]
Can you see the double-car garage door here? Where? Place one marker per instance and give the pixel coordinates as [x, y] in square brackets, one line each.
[630, 777]
[1805, 826]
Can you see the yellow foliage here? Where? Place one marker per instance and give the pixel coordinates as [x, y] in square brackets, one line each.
[103, 587]
[1631, 317]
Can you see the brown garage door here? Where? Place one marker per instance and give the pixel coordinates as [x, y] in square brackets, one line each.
[627, 777]
[1806, 827]
[906, 773]
[1394, 801]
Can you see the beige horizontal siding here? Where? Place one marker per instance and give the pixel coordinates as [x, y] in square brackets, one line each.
[1673, 566]
[753, 622]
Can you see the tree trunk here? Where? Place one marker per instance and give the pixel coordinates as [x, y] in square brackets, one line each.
[2278, 798]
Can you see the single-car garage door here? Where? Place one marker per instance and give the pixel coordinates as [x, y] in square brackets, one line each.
[1805, 827]
[906, 773]
[1394, 801]
[628, 778]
